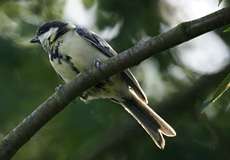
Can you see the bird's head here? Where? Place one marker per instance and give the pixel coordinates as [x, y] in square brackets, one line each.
[50, 31]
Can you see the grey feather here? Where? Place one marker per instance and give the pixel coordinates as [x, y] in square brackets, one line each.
[106, 49]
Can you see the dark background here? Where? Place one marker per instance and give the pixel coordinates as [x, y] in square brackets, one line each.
[100, 129]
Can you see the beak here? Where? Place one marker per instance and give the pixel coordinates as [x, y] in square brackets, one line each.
[35, 40]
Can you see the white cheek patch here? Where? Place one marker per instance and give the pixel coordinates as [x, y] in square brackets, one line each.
[46, 35]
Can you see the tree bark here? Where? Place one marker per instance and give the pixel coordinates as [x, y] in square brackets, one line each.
[17, 137]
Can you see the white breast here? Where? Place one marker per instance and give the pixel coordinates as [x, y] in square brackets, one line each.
[82, 53]
[64, 70]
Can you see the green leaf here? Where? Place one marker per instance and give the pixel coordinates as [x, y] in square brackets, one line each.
[227, 29]
[88, 3]
[221, 89]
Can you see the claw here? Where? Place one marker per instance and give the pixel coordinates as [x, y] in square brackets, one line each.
[98, 63]
[84, 97]
[59, 88]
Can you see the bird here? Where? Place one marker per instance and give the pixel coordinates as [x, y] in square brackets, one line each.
[72, 49]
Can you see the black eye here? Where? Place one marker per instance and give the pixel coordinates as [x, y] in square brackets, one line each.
[40, 32]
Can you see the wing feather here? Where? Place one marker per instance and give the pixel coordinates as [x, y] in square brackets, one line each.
[106, 49]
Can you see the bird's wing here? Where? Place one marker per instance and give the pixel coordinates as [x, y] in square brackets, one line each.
[96, 41]
[106, 49]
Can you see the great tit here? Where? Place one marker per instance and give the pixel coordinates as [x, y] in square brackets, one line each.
[73, 49]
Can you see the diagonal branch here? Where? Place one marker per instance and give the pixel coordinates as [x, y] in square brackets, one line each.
[16, 138]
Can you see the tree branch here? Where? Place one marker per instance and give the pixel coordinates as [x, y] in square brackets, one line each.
[14, 140]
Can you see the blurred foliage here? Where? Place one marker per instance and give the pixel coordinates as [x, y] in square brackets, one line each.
[227, 29]
[100, 129]
[88, 3]
[221, 89]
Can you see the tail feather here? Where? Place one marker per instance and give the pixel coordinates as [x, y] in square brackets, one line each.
[153, 124]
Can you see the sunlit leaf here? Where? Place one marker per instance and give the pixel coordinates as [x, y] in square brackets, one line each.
[88, 3]
[222, 88]
[227, 29]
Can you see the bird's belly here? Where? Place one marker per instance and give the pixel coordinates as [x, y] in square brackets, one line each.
[85, 60]
[64, 69]
[82, 54]
[110, 88]
[113, 88]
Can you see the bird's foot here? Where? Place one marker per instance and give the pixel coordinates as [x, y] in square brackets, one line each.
[84, 97]
[98, 63]
[59, 88]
